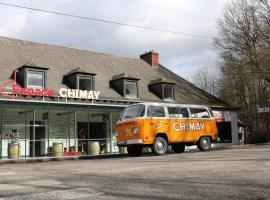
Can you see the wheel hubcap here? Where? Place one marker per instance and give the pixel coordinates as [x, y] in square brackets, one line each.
[205, 143]
[161, 146]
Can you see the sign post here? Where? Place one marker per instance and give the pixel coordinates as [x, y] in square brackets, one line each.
[265, 111]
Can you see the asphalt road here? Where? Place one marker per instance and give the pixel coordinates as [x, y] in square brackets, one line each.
[219, 174]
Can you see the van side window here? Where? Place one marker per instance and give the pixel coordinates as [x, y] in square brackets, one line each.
[211, 113]
[199, 113]
[155, 111]
[178, 112]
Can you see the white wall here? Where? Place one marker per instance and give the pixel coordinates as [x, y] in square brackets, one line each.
[232, 117]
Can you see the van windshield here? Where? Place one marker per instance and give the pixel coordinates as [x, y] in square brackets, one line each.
[133, 112]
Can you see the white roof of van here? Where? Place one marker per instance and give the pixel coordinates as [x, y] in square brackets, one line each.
[172, 104]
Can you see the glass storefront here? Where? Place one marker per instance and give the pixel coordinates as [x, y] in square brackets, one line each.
[31, 130]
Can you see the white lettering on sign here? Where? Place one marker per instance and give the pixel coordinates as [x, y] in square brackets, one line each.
[182, 126]
[78, 94]
[263, 110]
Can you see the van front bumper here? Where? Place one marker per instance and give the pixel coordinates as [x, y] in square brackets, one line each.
[129, 142]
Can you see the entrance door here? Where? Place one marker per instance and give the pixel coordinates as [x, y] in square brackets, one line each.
[37, 138]
[224, 132]
[97, 130]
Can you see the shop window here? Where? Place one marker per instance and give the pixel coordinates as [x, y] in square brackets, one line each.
[35, 79]
[85, 82]
[155, 111]
[178, 112]
[199, 113]
[130, 89]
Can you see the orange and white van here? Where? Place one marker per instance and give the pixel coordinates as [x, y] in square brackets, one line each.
[157, 125]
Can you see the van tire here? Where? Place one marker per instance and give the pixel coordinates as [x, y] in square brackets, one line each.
[178, 148]
[135, 150]
[160, 146]
[204, 143]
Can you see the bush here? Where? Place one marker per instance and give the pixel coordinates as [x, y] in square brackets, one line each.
[257, 138]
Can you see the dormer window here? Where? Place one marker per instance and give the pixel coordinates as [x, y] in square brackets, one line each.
[131, 89]
[80, 79]
[168, 92]
[85, 82]
[31, 75]
[35, 79]
[163, 89]
[125, 85]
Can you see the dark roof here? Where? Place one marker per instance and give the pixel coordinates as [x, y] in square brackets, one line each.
[61, 60]
[78, 70]
[124, 76]
[160, 81]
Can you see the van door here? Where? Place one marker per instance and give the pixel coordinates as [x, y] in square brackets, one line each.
[156, 122]
[179, 118]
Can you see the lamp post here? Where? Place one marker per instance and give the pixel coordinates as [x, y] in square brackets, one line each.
[15, 75]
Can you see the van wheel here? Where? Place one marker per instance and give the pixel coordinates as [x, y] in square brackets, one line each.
[160, 146]
[135, 150]
[178, 148]
[204, 143]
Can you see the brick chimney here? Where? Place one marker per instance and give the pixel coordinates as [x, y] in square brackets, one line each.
[151, 58]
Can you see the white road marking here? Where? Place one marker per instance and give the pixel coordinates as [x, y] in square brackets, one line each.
[43, 183]
[58, 195]
[7, 173]
[124, 170]
[11, 187]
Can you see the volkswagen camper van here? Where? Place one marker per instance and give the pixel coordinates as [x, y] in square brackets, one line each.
[158, 125]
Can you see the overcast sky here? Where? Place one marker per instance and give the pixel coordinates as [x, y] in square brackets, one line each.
[182, 54]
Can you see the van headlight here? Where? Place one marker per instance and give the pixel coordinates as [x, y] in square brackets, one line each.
[135, 130]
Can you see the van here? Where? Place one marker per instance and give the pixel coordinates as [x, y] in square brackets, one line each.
[158, 125]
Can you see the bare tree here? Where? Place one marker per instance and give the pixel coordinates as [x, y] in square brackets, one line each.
[206, 79]
[243, 44]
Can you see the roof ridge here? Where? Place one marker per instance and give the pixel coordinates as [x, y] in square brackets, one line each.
[64, 47]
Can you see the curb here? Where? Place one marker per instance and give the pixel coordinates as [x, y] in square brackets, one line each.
[46, 159]
[108, 156]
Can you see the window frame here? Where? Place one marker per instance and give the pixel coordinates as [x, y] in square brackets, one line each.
[124, 89]
[149, 107]
[144, 112]
[181, 107]
[206, 109]
[173, 92]
[92, 78]
[34, 71]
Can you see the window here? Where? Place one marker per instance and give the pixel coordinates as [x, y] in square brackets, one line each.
[133, 112]
[178, 112]
[130, 89]
[35, 79]
[199, 113]
[211, 113]
[155, 111]
[165, 91]
[85, 82]
[168, 92]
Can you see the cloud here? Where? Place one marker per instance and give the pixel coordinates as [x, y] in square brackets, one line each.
[182, 54]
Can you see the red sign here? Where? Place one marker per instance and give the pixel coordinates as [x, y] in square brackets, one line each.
[11, 89]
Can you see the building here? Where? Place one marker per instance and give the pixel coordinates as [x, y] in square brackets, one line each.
[55, 95]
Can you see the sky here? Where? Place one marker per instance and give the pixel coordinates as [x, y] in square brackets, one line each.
[184, 55]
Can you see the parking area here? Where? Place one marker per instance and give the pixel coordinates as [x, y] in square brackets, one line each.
[240, 173]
